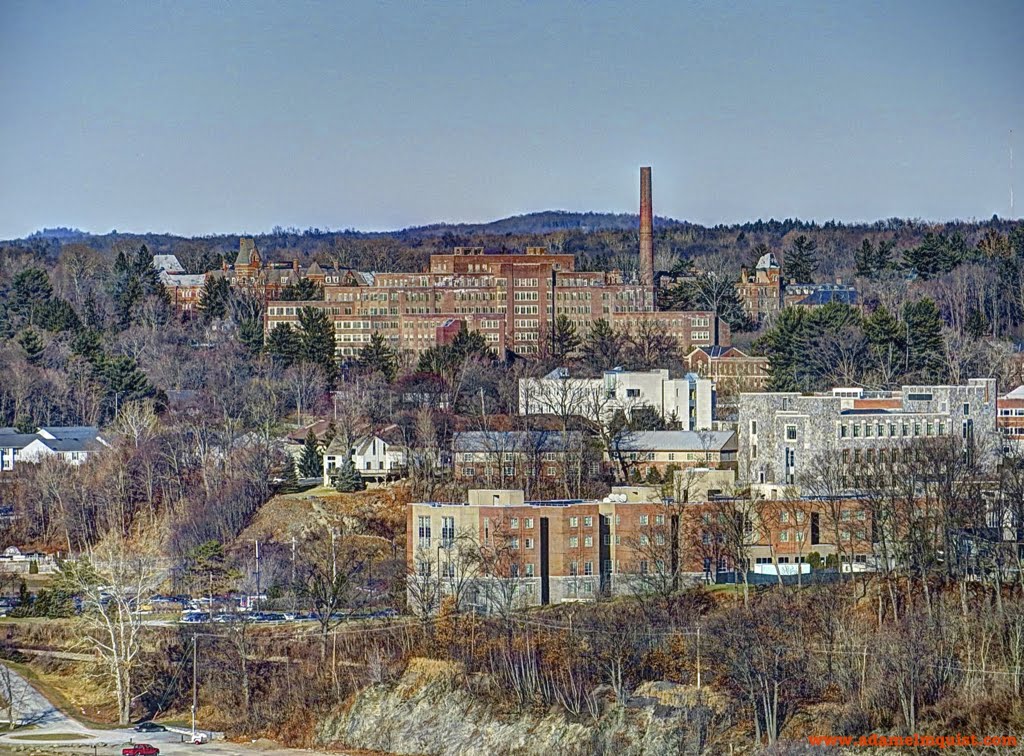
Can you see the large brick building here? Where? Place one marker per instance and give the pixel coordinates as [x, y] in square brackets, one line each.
[513, 300]
[497, 551]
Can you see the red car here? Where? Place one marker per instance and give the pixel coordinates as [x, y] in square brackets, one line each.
[140, 749]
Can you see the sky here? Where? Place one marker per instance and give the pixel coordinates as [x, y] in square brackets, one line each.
[234, 117]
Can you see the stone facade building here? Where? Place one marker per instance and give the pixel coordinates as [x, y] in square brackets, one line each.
[783, 436]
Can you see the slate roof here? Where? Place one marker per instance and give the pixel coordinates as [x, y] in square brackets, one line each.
[676, 440]
[829, 294]
[56, 438]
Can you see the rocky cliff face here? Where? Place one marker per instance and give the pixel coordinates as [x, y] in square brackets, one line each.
[430, 711]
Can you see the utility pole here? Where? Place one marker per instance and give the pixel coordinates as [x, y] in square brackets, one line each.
[195, 687]
[334, 556]
[257, 574]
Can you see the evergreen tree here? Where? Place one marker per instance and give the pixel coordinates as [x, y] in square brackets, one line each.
[603, 347]
[136, 278]
[311, 461]
[93, 315]
[58, 315]
[925, 347]
[213, 299]
[316, 339]
[348, 478]
[977, 326]
[303, 291]
[883, 255]
[801, 261]
[88, 345]
[32, 343]
[378, 357]
[566, 340]
[125, 382]
[30, 290]
[284, 345]
[935, 255]
[247, 314]
[865, 260]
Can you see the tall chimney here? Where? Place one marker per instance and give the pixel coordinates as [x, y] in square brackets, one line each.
[646, 230]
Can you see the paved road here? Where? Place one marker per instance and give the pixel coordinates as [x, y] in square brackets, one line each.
[37, 716]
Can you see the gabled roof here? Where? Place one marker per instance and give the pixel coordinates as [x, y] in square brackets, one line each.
[314, 269]
[677, 440]
[1017, 393]
[717, 351]
[11, 439]
[167, 263]
[55, 438]
[767, 261]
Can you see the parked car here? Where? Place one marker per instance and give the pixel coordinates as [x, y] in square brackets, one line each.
[140, 749]
[150, 727]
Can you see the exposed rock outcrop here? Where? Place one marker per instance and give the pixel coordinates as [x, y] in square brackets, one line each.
[430, 711]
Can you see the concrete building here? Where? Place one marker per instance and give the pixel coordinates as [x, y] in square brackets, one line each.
[688, 401]
[784, 436]
[70, 444]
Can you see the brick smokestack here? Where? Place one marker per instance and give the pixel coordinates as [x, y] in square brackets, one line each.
[646, 230]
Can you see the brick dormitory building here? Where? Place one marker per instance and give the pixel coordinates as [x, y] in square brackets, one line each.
[497, 550]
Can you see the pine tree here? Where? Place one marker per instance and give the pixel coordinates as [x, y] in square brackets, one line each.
[316, 339]
[802, 260]
[603, 347]
[935, 255]
[30, 341]
[348, 478]
[865, 259]
[213, 300]
[284, 345]
[378, 357]
[925, 347]
[247, 314]
[303, 291]
[977, 326]
[566, 340]
[92, 314]
[311, 461]
[30, 290]
[57, 315]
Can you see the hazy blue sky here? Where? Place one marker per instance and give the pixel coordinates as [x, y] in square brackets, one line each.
[235, 117]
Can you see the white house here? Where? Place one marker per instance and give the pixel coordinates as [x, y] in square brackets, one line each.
[689, 401]
[72, 444]
[377, 457]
